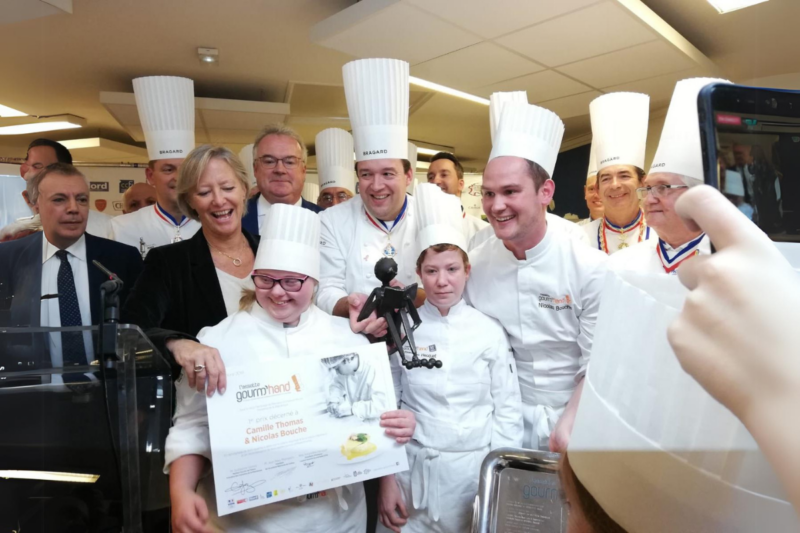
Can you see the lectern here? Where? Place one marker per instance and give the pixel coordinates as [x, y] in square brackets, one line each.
[81, 447]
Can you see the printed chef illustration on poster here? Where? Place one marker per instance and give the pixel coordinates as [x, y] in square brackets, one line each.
[298, 426]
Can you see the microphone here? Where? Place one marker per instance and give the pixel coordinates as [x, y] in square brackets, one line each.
[109, 291]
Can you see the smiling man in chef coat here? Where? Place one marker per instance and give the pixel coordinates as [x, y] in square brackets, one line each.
[166, 111]
[542, 286]
[379, 222]
[619, 129]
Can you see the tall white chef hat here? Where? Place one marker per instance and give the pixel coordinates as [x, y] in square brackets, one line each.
[679, 150]
[289, 241]
[657, 452]
[592, 170]
[166, 111]
[496, 103]
[246, 156]
[377, 102]
[335, 168]
[619, 127]
[530, 132]
[438, 217]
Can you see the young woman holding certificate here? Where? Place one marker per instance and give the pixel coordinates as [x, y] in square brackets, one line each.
[278, 320]
[469, 406]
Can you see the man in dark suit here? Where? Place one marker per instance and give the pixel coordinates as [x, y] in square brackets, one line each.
[279, 164]
[47, 279]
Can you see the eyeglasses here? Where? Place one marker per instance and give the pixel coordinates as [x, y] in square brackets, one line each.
[659, 191]
[288, 284]
[289, 162]
[341, 196]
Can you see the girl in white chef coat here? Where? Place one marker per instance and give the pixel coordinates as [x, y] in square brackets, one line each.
[279, 320]
[464, 409]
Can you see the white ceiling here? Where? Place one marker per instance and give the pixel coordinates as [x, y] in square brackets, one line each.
[563, 52]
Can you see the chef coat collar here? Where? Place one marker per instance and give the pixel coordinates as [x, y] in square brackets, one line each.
[541, 248]
[259, 313]
[454, 311]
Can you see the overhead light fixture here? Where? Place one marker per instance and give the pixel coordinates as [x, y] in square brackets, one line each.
[423, 164]
[67, 477]
[726, 6]
[33, 124]
[447, 90]
[208, 56]
[428, 151]
[6, 112]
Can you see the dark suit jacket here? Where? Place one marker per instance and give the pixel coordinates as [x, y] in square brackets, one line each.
[250, 220]
[21, 280]
[178, 293]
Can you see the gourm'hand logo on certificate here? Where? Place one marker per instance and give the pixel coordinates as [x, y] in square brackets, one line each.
[289, 427]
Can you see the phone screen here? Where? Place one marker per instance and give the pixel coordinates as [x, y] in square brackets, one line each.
[758, 157]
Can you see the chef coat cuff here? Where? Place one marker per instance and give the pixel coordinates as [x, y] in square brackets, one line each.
[186, 441]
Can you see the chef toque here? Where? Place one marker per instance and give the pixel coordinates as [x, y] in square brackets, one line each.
[246, 157]
[619, 128]
[335, 161]
[531, 132]
[496, 103]
[166, 111]
[679, 150]
[439, 218]
[592, 170]
[289, 241]
[656, 451]
[733, 183]
[377, 102]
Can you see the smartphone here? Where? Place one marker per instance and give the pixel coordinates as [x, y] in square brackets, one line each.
[751, 153]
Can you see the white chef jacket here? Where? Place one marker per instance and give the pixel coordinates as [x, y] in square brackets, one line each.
[357, 389]
[469, 406]
[150, 227]
[472, 225]
[99, 224]
[643, 257]
[563, 227]
[614, 239]
[351, 245]
[548, 305]
[254, 334]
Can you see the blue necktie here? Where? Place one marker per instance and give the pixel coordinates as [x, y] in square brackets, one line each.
[72, 347]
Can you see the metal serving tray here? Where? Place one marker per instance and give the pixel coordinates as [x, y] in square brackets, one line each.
[520, 492]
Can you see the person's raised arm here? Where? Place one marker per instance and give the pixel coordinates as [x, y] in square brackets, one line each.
[737, 334]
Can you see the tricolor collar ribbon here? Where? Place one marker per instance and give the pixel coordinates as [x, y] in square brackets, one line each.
[166, 217]
[381, 225]
[690, 250]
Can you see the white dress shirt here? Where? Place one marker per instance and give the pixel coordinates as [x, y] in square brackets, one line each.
[50, 312]
[262, 206]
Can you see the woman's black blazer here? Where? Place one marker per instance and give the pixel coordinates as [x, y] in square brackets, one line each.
[177, 293]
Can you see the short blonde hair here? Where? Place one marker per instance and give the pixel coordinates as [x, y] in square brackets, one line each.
[193, 167]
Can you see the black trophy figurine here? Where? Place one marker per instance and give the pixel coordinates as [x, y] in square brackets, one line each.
[395, 305]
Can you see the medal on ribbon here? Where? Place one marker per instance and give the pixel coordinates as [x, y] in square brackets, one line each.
[389, 250]
[671, 265]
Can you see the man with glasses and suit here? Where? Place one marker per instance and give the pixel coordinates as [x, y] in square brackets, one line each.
[279, 164]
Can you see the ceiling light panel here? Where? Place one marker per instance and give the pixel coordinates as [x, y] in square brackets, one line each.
[726, 6]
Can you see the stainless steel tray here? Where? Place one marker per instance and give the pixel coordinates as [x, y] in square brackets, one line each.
[520, 492]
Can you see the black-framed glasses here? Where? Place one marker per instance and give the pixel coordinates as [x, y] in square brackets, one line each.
[289, 162]
[262, 281]
[659, 191]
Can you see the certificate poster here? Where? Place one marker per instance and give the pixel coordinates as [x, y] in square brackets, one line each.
[295, 426]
